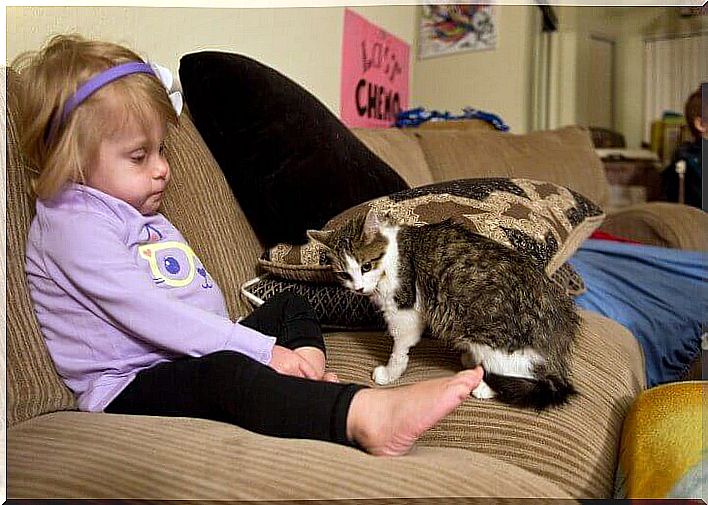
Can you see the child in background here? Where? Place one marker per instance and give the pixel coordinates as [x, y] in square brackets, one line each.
[132, 319]
[690, 152]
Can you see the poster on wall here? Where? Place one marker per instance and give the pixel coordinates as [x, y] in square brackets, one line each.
[448, 29]
[375, 73]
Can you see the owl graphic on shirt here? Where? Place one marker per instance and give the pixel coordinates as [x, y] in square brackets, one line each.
[172, 263]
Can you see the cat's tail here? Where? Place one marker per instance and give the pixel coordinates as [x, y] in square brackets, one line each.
[547, 390]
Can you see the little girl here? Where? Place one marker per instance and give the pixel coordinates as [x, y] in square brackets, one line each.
[131, 317]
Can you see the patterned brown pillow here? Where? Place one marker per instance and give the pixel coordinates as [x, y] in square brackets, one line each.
[570, 280]
[545, 221]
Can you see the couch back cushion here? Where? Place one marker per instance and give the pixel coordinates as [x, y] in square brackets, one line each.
[402, 152]
[564, 156]
[198, 202]
[33, 386]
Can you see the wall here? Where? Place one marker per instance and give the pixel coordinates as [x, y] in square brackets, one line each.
[303, 43]
[498, 81]
[641, 24]
[628, 27]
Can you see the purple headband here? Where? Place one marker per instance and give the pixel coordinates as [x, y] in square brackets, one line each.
[91, 86]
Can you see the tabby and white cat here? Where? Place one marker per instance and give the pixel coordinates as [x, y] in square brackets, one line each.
[489, 301]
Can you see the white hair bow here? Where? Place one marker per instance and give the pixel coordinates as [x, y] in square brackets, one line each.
[167, 80]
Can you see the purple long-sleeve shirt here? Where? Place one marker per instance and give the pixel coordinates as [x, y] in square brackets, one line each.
[116, 292]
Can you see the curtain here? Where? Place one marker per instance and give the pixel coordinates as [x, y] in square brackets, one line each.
[675, 67]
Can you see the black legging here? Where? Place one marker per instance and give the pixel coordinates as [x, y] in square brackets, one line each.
[231, 387]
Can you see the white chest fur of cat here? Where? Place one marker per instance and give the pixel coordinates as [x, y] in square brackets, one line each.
[397, 267]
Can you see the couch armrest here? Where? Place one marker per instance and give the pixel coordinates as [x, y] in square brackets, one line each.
[661, 224]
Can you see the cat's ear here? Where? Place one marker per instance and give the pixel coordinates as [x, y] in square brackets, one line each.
[320, 236]
[371, 226]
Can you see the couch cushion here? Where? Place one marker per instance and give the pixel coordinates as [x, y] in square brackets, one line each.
[662, 224]
[399, 150]
[564, 156]
[83, 455]
[290, 162]
[567, 451]
[33, 386]
[574, 446]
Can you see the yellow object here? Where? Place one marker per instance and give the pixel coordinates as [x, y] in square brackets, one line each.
[666, 135]
[662, 439]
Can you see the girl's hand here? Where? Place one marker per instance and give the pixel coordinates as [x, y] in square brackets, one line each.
[288, 362]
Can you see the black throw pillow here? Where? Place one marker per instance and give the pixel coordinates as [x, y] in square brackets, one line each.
[290, 162]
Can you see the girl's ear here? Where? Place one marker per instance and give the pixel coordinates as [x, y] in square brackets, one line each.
[321, 237]
[371, 226]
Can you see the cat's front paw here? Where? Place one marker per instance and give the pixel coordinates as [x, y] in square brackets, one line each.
[381, 376]
[483, 391]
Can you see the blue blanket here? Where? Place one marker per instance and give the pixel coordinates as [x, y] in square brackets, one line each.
[659, 294]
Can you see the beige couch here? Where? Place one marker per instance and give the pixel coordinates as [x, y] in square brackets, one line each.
[482, 449]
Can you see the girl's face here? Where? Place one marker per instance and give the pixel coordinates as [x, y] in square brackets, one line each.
[131, 165]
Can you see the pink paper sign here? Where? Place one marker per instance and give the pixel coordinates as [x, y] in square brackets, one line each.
[374, 74]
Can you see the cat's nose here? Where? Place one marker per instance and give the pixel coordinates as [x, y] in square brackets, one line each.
[359, 290]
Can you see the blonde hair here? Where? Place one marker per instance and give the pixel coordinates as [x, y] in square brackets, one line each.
[50, 76]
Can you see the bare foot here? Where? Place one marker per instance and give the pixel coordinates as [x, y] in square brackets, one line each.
[387, 422]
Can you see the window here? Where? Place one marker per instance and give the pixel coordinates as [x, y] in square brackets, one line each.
[675, 67]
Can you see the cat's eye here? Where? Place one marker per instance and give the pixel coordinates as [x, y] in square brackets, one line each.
[365, 267]
[343, 276]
